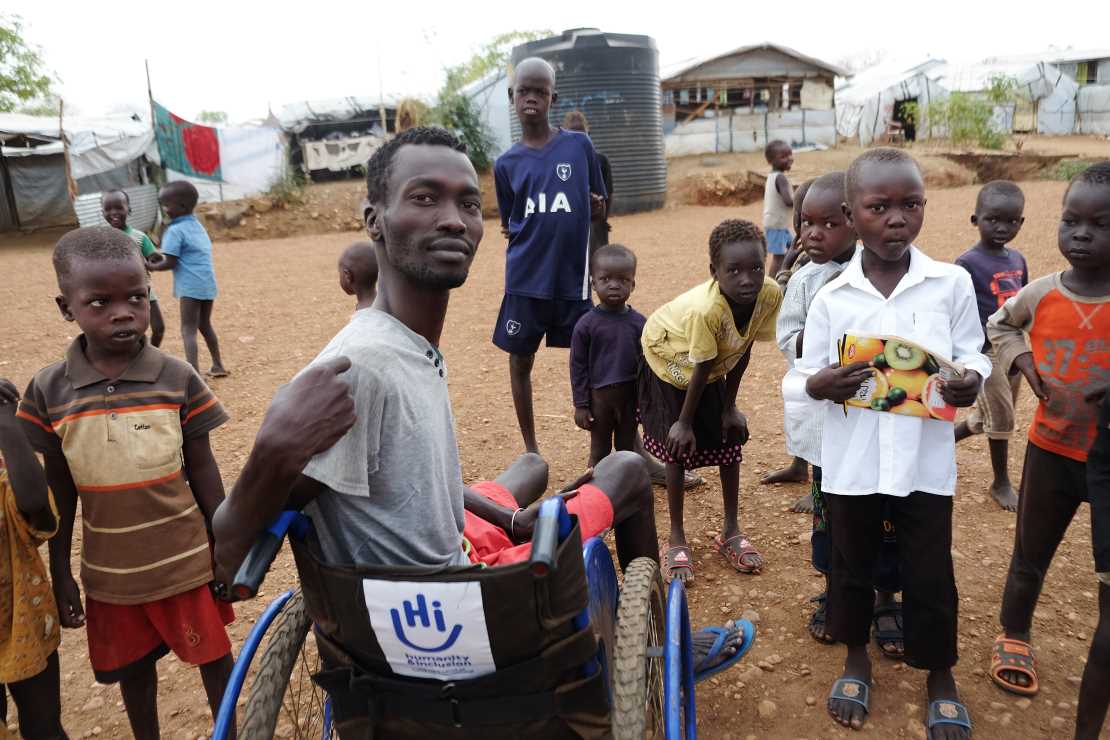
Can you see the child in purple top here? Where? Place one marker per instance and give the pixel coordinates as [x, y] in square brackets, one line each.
[605, 355]
[997, 272]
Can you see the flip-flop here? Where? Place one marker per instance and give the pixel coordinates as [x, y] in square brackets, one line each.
[885, 637]
[734, 558]
[217, 374]
[676, 558]
[819, 619]
[721, 636]
[947, 712]
[853, 690]
[690, 480]
[1017, 656]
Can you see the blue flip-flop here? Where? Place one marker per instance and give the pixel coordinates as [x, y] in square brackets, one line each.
[947, 712]
[722, 635]
[853, 690]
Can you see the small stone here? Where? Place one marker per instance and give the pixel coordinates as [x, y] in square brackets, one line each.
[978, 672]
[737, 696]
[1005, 719]
[916, 729]
[97, 730]
[93, 704]
[905, 686]
[766, 666]
[767, 709]
[1063, 706]
[751, 615]
[1075, 680]
[750, 675]
[811, 701]
[912, 709]
[775, 659]
[1023, 703]
[997, 706]
[1057, 723]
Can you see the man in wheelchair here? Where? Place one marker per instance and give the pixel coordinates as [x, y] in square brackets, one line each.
[363, 440]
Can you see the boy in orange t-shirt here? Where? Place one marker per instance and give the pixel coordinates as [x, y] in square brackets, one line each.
[1067, 364]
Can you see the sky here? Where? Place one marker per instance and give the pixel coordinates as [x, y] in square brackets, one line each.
[242, 58]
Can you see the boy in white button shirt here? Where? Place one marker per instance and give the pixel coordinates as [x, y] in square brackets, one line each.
[871, 459]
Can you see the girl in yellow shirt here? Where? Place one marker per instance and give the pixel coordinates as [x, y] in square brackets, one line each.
[696, 349]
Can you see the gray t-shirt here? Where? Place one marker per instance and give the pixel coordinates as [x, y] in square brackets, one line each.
[396, 490]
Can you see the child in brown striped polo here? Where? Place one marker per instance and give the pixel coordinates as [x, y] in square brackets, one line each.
[125, 428]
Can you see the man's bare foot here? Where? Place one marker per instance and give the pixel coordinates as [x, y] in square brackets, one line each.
[856, 666]
[804, 505]
[1003, 494]
[795, 472]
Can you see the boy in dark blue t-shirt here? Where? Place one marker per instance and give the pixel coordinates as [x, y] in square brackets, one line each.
[997, 272]
[548, 185]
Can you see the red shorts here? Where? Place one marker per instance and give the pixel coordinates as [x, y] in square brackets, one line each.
[191, 624]
[490, 545]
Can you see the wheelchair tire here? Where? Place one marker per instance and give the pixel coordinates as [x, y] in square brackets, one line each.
[637, 672]
[283, 701]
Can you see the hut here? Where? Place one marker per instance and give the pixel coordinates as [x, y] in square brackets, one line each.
[740, 100]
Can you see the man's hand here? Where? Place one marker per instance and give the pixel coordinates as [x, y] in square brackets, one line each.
[597, 207]
[962, 390]
[9, 401]
[71, 614]
[680, 440]
[525, 522]
[155, 260]
[309, 414]
[734, 426]
[505, 230]
[837, 383]
[583, 419]
[1024, 363]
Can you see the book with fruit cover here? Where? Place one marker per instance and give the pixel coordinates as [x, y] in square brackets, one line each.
[906, 378]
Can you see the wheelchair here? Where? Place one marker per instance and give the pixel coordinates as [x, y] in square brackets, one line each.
[503, 652]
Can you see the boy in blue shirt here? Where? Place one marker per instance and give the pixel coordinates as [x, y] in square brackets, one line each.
[548, 185]
[188, 252]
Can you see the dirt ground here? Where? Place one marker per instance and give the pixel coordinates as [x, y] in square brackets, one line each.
[280, 303]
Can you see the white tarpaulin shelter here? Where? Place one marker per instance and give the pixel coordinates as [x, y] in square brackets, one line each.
[490, 96]
[1093, 110]
[1046, 93]
[865, 105]
[103, 154]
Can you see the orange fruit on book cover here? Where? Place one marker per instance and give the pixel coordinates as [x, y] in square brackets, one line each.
[874, 387]
[911, 381]
[911, 408]
[935, 403]
[861, 349]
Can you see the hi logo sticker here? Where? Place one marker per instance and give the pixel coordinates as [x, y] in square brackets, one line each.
[562, 171]
[430, 630]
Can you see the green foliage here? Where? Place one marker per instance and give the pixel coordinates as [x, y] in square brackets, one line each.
[1068, 168]
[212, 117]
[23, 76]
[457, 113]
[45, 105]
[966, 117]
[910, 111]
[289, 190]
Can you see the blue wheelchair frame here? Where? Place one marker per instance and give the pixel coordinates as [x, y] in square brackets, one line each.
[552, 527]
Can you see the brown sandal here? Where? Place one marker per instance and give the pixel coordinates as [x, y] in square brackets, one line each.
[736, 557]
[1016, 656]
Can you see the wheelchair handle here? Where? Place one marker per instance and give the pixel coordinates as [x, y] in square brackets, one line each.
[552, 526]
[249, 577]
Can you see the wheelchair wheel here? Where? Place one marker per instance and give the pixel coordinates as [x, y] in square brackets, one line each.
[637, 674]
[284, 702]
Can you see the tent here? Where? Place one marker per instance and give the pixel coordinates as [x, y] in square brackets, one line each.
[874, 98]
[104, 153]
[1047, 95]
[490, 96]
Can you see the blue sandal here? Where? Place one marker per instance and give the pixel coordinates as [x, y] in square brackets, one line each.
[947, 712]
[722, 634]
[853, 690]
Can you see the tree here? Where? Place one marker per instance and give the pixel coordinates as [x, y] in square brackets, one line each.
[456, 112]
[23, 75]
[212, 117]
[967, 118]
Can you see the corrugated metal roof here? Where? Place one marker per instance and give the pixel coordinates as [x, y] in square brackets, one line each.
[688, 67]
[144, 208]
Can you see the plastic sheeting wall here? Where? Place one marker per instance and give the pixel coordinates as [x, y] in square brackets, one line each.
[750, 132]
[1093, 110]
[252, 160]
[868, 118]
[41, 197]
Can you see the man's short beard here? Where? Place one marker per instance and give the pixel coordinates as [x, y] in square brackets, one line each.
[425, 277]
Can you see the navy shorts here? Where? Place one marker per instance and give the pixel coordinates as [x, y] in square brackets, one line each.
[523, 322]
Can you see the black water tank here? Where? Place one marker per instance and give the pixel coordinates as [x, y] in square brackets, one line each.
[614, 79]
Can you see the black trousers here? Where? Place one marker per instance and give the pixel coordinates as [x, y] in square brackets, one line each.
[930, 603]
[1052, 487]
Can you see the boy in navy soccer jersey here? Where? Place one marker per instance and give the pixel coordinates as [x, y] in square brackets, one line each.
[547, 186]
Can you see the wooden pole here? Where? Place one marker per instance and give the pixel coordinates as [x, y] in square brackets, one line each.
[71, 184]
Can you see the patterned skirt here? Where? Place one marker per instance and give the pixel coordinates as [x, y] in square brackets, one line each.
[660, 405]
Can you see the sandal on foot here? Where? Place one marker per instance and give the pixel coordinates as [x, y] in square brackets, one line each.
[853, 690]
[690, 481]
[674, 559]
[818, 620]
[886, 637]
[1016, 656]
[721, 635]
[947, 712]
[735, 557]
